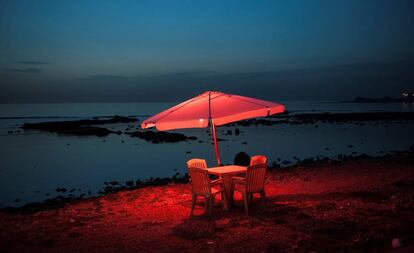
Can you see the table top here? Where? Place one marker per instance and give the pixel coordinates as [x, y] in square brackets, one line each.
[229, 169]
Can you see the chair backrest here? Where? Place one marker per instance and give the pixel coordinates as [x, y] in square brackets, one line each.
[199, 180]
[197, 163]
[258, 159]
[255, 177]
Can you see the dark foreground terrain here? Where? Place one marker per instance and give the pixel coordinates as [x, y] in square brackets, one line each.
[351, 206]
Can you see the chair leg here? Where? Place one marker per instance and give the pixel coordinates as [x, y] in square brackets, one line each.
[193, 202]
[224, 199]
[250, 198]
[246, 206]
[207, 202]
[231, 195]
[210, 205]
[263, 198]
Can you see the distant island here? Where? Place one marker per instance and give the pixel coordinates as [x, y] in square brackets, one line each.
[406, 97]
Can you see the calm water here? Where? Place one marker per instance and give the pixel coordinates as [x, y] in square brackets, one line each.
[33, 164]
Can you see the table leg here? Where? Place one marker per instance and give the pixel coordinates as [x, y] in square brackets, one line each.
[227, 185]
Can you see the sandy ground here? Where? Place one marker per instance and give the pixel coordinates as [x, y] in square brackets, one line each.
[352, 206]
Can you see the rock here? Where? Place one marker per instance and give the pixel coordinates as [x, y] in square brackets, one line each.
[237, 131]
[195, 229]
[61, 189]
[386, 99]
[114, 183]
[78, 127]
[313, 118]
[159, 137]
[286, 162]
[396, 243]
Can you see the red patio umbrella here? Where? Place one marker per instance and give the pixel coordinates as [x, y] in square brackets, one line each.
[212, 107]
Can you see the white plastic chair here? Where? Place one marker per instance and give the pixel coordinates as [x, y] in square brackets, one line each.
[258, 159]
[197, 163]
[254, 182]
[203, 186]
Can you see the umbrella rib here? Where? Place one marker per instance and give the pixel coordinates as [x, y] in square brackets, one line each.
[209, 103]
[251, 102]
[249, 117]
[220, 95]
[191, 100]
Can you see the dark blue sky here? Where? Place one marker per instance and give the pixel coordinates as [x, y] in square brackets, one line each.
[63, 51]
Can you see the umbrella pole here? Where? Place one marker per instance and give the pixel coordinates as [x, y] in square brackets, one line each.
[213, 129]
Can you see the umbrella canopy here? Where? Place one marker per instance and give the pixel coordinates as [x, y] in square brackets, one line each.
[212, 107]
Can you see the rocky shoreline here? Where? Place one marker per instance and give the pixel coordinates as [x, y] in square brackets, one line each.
[354, 205]
[79, 127]
[177, 178]
[160, 137]
[332, 118]
[89, 127]
[409, 98]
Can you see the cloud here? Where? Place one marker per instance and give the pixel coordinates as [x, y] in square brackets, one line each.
[33, 62]
[31, 67]
[185, 74]
[106, 77]
[23, 70]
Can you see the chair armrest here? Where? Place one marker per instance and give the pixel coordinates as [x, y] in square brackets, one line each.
[216, 182]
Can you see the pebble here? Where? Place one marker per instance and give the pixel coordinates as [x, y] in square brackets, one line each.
[396, 243]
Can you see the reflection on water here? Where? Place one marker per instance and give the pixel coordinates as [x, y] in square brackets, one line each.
[33, 164]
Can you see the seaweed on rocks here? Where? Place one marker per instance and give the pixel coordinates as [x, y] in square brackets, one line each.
[110, 187]
[338, 118]
[160, 137]
[78, 127]
[354, 117]
[320, 161]
[129, 185]
[48, 204]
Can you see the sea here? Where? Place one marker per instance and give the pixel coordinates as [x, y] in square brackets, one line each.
[34, 164]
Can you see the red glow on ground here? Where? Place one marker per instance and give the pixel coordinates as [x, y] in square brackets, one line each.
[330, 208]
